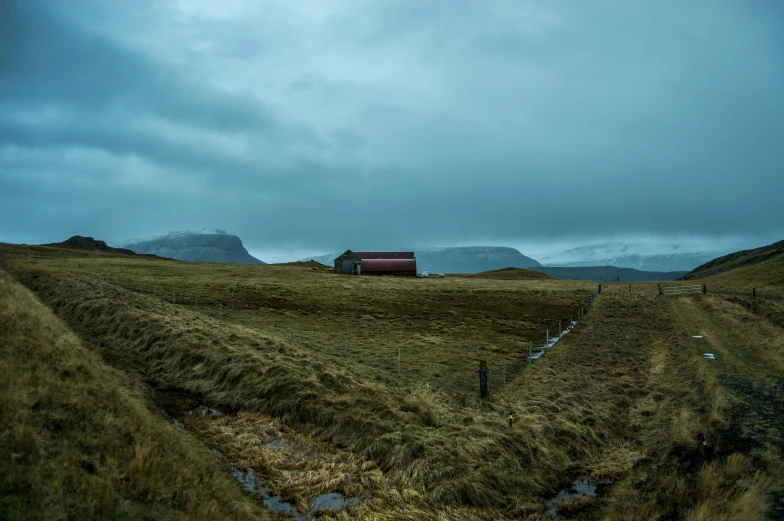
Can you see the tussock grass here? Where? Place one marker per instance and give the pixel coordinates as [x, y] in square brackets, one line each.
[623, 397]
[76, 443]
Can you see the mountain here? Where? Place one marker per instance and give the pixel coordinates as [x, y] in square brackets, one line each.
[207, 245]
[608, 273]
[77, 242]
[766, 261]
[462, 259]
[640, 256]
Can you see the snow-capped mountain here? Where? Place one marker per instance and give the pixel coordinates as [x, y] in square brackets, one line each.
[645, 257]
[461, 259]
[207, 245]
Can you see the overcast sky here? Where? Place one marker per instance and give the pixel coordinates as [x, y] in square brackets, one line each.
[317, 126]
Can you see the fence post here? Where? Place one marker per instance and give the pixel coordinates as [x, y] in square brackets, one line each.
[754, 292]
[197, 302]
[530, 351]
[155, 291]
[600, 289]
[548, 338]
[174, 297]
[503, 377]
[704, 289]
[660, 290]
[398, 359]
[220, 311]
[560, 331]
[484, 378]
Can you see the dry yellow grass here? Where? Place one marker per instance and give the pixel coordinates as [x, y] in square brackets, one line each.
[76, 443]
[622, 397]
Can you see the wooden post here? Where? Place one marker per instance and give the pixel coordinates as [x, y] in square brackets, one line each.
[220, 311]
[548, 338]
[398, 359]
[484, 378]
[630, 288]
[503, 377]
[174, 297]
[600, 289]
[155, 291]
[560, 331]
[704, 289]
[660, 290]
[754, 292]
[530, 351]
[197, 302]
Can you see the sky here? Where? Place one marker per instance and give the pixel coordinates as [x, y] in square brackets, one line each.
[308, 127]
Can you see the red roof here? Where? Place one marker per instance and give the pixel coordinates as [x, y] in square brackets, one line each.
[388, 265]
[385, 254]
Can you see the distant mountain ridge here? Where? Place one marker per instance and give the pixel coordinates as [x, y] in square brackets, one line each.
[459, 259]
[208, 245]
[641, 257]
[608, 273]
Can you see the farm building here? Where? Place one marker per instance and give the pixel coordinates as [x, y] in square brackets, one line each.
[399, 263]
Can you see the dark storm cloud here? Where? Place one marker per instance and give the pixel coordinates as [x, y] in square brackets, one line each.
[391, 124]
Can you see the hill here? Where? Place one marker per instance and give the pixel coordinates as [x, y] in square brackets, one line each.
[460, 259]
[608, 273]
[77, 242]
[208, 245]
[762, 265]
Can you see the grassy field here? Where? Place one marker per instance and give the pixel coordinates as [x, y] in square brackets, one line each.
[442, 327]
[624, 398]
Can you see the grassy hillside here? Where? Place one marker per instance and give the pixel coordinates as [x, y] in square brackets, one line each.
[623, 397]
[77, 441]
[759, 266]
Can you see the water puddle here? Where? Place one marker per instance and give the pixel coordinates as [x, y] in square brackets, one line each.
[331, 501]
[581, 488]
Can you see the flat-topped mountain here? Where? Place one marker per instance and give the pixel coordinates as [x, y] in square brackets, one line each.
[208, 245]
[78, 242]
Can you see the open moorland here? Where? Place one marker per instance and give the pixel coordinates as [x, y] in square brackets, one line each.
[286, 379]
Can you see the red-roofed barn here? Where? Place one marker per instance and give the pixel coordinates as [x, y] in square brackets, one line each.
[399, 263]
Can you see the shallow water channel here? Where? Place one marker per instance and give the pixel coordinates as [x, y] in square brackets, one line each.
[252, 485]
[581, 488]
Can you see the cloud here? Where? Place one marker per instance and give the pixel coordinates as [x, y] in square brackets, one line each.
[316, 125]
